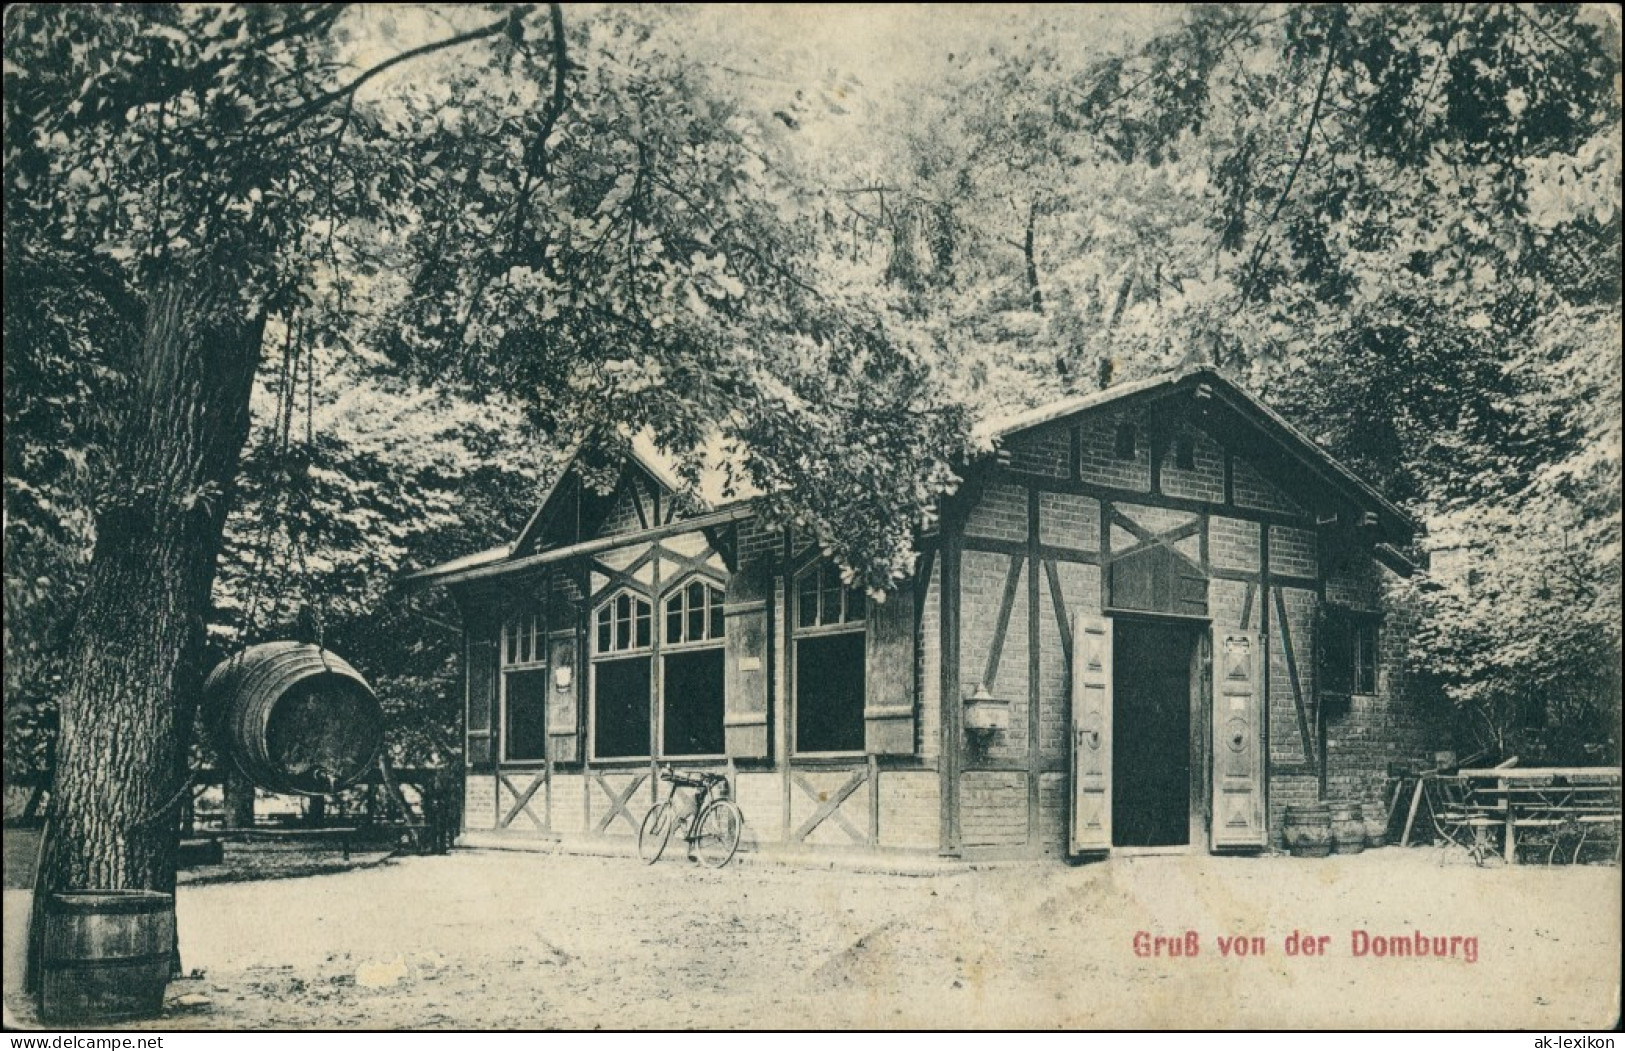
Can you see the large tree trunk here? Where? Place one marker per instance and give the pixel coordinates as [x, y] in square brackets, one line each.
[137, 647]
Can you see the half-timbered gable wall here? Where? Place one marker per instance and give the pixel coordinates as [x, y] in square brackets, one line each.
[1139, 509]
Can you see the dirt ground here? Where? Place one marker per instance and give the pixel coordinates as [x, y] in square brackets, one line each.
[500, 940]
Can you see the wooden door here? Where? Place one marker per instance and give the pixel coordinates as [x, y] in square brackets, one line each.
[1238, 740]
[1091, 828]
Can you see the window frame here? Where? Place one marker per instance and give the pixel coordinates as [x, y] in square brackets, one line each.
[716, 598]
[1359, 663]
[530, 624]
[846, 624]
[597, 656]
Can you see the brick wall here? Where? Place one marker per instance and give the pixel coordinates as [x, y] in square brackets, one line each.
[760, 796]
[1286, 738]
[1001, 514]
[479, 802]
[1205, 479]
[1046, 453]
[1097, 455]
[758, 545]
[1386, 727]
[1292, 552]
[623, 514]
[910, 808]
[993, 808]
[982, 584]
[1233, 543]
[1069, 520]
[1252, 490]
[567, 793]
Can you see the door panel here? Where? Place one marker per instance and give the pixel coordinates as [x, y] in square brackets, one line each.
[1238, 767]
[1091, 827]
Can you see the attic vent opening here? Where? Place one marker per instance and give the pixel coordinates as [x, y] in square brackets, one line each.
[1125, 443]
[1185, 453]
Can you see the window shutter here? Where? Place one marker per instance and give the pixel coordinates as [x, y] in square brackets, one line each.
[1238, 765]
[563, 728]
[480, 641]
[1091, 827]
[744, 720]
[888, 675]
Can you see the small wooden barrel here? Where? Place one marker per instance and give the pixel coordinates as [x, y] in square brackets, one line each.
[294, 718]
[1308, 830]
[106, 955]
[1376, 824]
[1348, 828]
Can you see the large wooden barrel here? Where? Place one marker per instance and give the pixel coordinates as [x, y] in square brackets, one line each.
[294, 718]
[105, 955]
[1348, 828]
[1308, 830]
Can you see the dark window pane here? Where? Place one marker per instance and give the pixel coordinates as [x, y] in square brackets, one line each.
[807, 606]
[603, 631]
[718, 625]
[525, 728]
[623, 607]
[643, 625]
[829, 693]
[829, 601]
[674, 621]
[1185, 453]
[693, 712]
[1125, 441]
[621, 708]
[623, 632]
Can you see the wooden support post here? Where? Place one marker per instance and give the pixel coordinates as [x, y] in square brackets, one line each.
[399, 797]
[1410, 818]
[1512, 828]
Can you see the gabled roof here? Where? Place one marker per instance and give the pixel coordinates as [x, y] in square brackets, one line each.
[723, 492]
[1397, 525]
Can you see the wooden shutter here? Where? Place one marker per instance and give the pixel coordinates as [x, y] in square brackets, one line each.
[1091, 828]
[563, 726]
[888, 675]
[744, 720]
[481, 637]
[1238, 762]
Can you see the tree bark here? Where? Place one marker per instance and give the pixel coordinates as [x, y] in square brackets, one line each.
[239, 799]
[137, 647]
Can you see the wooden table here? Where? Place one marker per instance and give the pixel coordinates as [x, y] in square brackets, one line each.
[1526, 798]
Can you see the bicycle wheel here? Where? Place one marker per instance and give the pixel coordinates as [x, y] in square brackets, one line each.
[656, 831]
[716, 836]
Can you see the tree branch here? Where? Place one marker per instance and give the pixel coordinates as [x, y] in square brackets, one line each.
[299, 114]
[1292, 176]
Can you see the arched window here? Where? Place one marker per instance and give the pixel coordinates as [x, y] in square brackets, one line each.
[692, 676]
[622, 676]
[829, 662]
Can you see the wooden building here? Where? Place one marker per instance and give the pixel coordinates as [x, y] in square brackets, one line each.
[1153, 617]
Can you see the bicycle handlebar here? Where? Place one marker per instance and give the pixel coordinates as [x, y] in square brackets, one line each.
[700, 780]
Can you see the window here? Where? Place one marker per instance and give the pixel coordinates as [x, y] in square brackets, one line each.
[524, 640]
[1125, 441]
[1349, 657]
[829, 656]
[694, 614]
[524, 687]
[1185, 453]
[622, 676]
[689, 647]
[691, 710]
[623, 624]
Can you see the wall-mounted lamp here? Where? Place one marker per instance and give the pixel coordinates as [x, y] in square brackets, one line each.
[985, 713]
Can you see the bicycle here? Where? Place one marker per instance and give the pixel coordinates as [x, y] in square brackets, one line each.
[712, 822]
